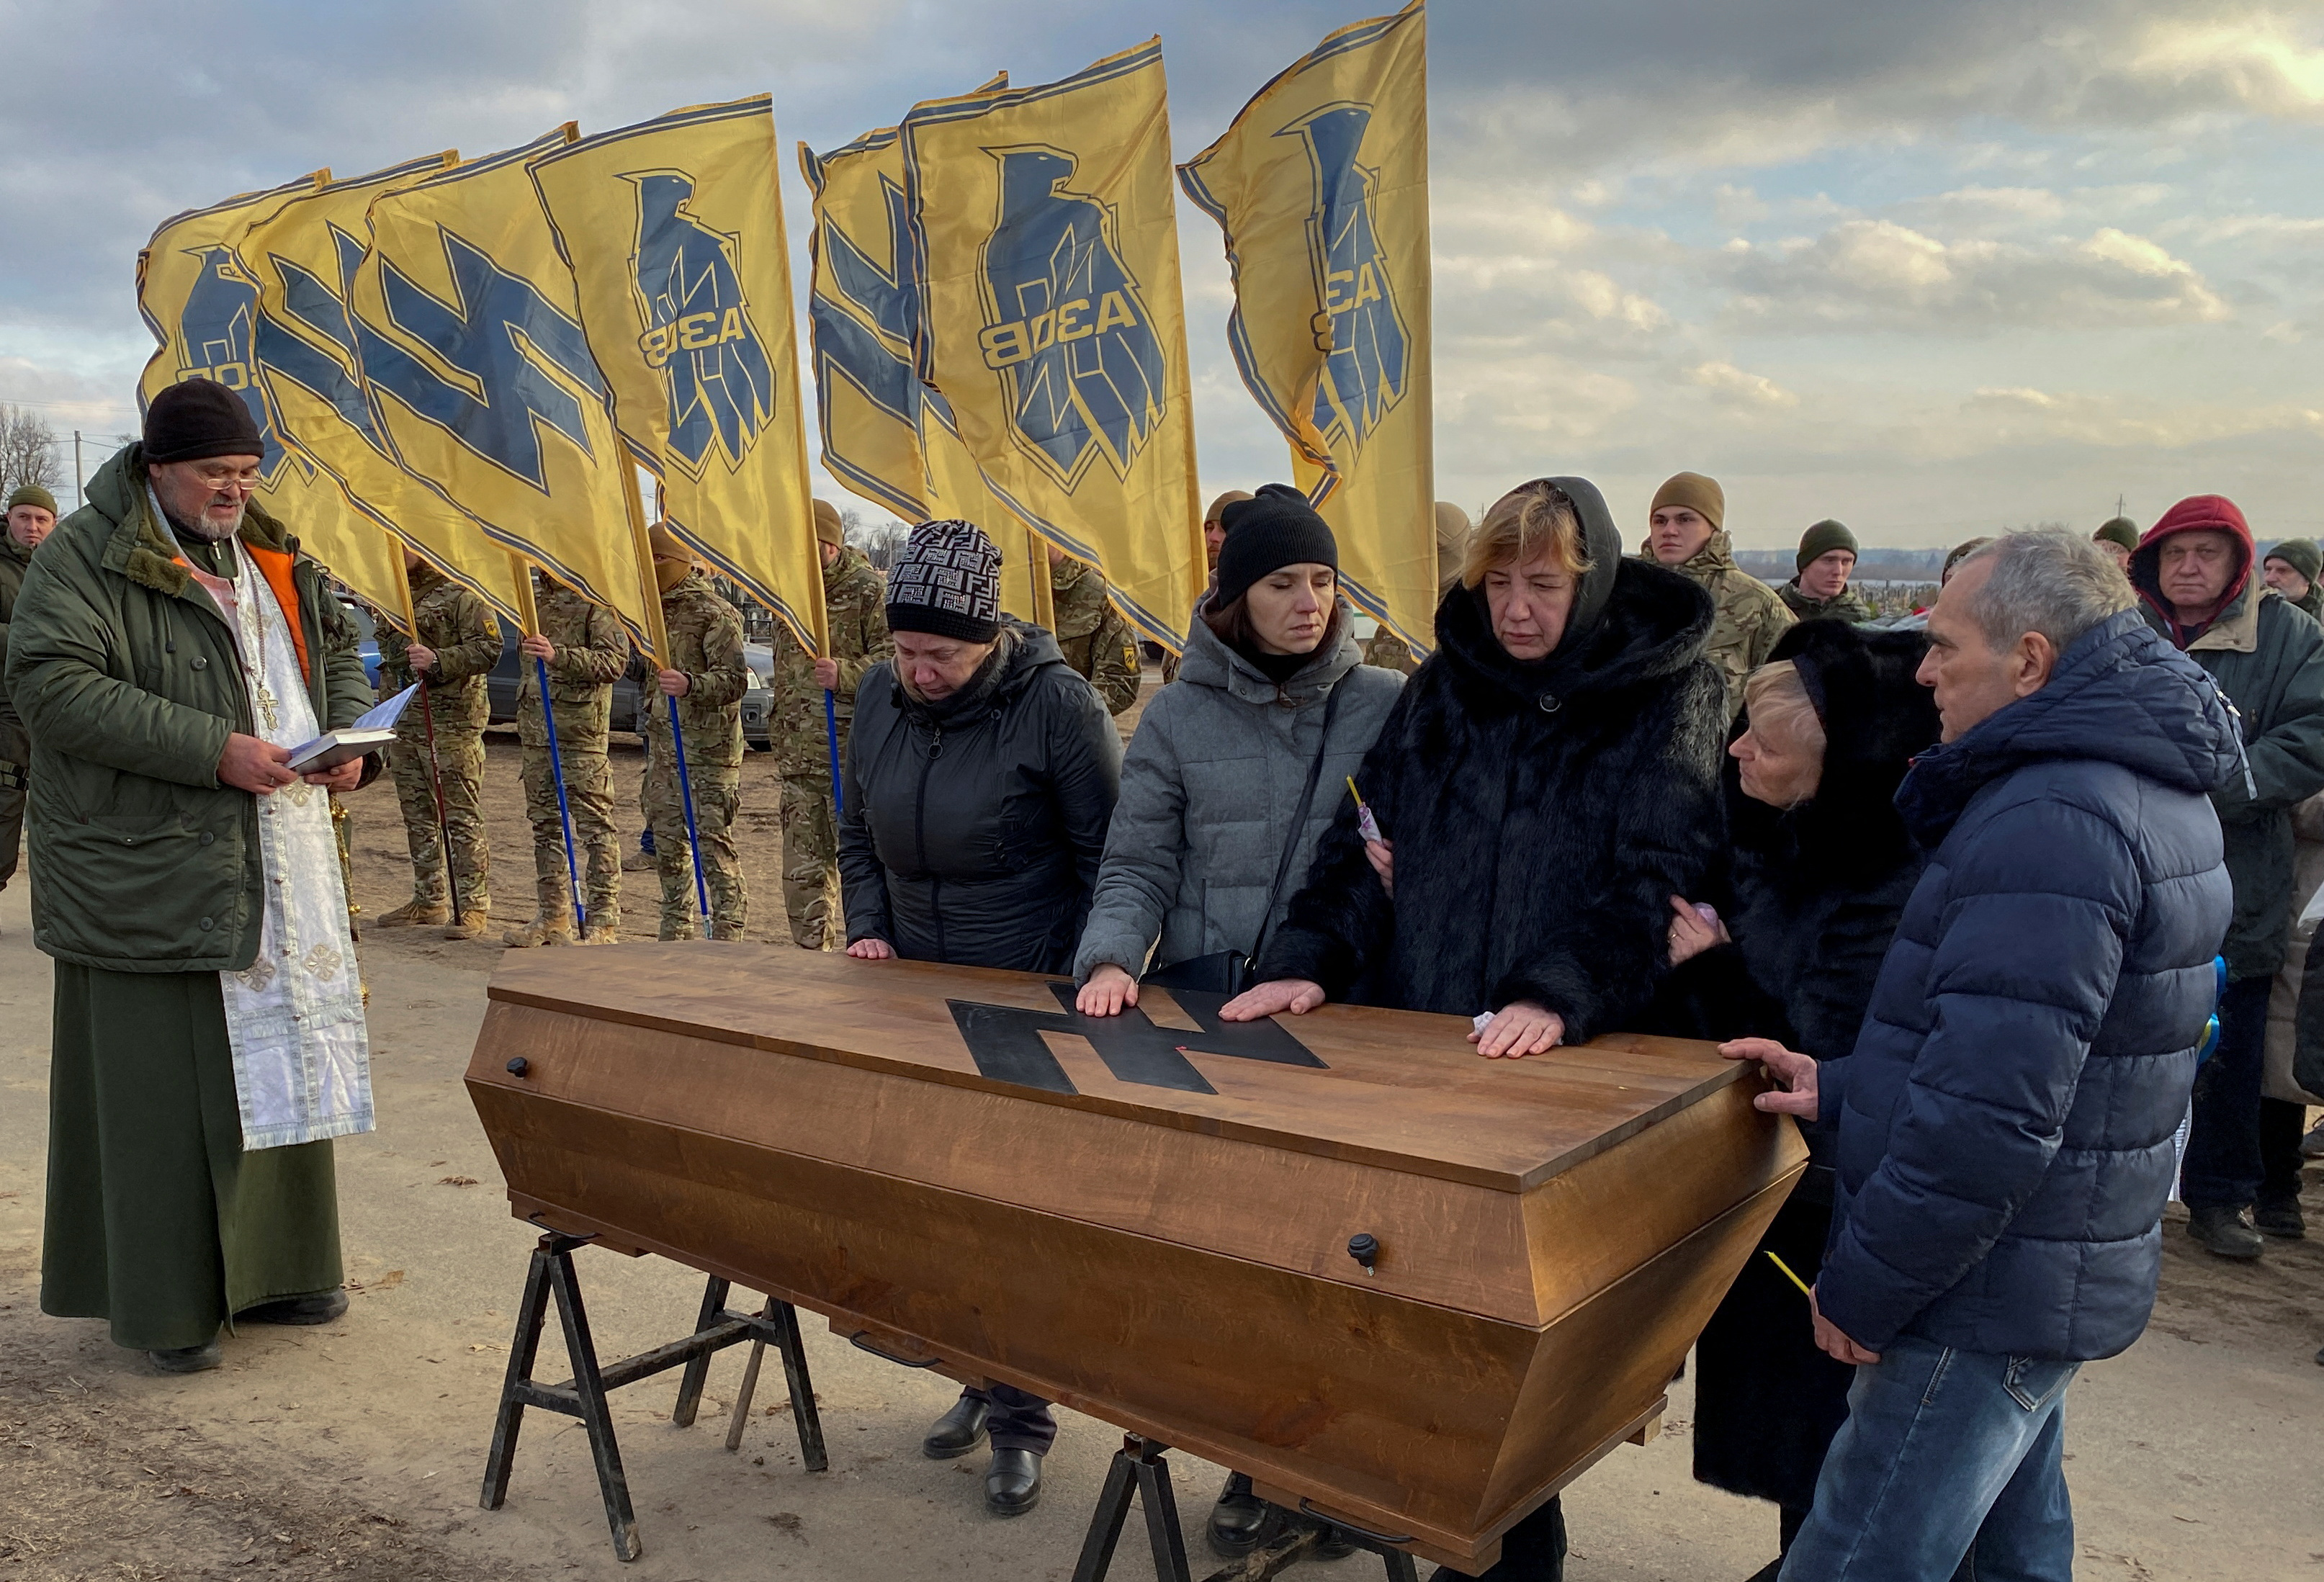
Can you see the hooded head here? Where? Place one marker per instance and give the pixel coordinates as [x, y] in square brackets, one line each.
[673, 557]
[1452, 544]
[2194, 564]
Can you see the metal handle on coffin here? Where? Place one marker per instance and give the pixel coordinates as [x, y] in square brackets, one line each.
[860, 1344]
[1308, 1506]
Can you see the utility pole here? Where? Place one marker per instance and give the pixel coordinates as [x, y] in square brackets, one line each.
[78, 500]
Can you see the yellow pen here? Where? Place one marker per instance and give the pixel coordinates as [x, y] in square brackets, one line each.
[1365, 822]
[1795, 1279]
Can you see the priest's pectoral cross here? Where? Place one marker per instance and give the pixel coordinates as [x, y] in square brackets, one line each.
[269, 709]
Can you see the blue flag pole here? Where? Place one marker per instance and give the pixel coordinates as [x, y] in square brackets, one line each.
[564, 810]
[693, 835]
[831, 735]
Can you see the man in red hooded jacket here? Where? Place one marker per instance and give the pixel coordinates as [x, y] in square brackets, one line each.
[2197, 575]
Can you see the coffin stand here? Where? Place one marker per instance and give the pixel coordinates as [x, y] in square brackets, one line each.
[1402, 1287]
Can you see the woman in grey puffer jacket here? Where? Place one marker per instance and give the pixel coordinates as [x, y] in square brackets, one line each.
[1213, 779]
[1214, 772]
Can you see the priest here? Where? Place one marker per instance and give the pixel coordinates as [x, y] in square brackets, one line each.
[168, 649]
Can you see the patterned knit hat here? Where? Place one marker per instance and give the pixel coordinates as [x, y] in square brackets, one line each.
[946, 583]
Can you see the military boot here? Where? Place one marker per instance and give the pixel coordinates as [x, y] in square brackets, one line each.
[550, 928]
[418, 913]
[474, 921]
[602, 933]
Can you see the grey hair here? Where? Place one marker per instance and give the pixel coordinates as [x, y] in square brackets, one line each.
[2048, 580]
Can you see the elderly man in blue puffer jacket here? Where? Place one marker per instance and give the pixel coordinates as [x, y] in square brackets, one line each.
[2005, 1128]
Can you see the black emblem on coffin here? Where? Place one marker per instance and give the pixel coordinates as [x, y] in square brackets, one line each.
[1008, 1046]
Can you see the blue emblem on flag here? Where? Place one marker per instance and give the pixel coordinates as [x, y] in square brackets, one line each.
[489, 333]
[1071, 335]
[699, 335]
[216, 328]
[1360, 329]
[320, 308]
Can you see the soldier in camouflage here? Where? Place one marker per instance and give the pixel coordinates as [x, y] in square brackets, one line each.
[855, 603]
[1390, 652]
[457, 642]
[707, 676]
[1090, 632]
[585, 647]
[1820, 590]
[1688, 534]
[31, 513]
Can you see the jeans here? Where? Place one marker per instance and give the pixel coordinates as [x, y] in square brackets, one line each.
[1949, 1465]
[2222, 1167]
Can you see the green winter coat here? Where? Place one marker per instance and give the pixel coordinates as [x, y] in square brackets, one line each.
[1845, 605]
[127, 678]
[15, 559]
[2268, 658]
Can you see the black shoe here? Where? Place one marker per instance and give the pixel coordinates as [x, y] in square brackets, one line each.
[1239, 1521]
[1012, 1484]
[187, 1359]
[297, 1309]
[2224, 1231]
[2279, 1217]
[958, 1431]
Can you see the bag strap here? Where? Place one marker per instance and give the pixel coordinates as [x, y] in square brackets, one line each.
[1298, 821]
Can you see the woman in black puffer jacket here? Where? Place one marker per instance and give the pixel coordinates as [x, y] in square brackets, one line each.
[981, 774]
[1821, 871]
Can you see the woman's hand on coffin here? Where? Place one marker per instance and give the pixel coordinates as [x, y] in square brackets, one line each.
[1108, 990]
[1296, 995]
[1517, 1029]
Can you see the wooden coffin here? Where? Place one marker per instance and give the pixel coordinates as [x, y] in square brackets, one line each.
[1153, 1225]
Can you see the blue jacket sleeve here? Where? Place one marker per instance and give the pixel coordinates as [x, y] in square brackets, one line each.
[1982, 1113]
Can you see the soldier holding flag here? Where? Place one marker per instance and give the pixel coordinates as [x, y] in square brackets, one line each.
[854, 599]
[584, 647]
[706, 675]
[438, 758]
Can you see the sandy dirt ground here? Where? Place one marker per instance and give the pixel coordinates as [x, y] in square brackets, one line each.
[354, 1449]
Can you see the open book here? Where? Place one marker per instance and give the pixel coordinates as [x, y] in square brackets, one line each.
[373, 729]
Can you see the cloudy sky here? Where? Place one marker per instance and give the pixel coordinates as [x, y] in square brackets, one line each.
[1932, 269]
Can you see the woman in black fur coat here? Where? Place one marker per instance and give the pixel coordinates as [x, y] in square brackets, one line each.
[1821, 869]
[1548, 779]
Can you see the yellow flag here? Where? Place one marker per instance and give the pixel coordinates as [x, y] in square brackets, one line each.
[201, 306]
[1052, 320]
[300, 261]
[476, 370]
[1321, 185]
[886, 434]
[674, 231]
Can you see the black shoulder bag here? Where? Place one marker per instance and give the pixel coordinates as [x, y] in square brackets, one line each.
[1229, 972]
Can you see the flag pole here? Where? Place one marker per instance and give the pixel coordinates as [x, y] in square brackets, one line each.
[657, 635]
[1045, 594]
[529, 613]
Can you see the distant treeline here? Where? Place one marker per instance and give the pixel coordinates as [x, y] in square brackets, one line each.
[1773, 567]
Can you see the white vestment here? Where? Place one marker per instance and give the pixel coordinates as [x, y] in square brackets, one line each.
[294, 1017]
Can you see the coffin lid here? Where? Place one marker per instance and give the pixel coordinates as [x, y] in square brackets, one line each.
[1502, 1125]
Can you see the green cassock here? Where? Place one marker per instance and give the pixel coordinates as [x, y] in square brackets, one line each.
[146, 887]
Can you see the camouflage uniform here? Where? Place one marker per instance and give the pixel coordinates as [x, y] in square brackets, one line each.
[854, 599]
[1390, 652]
[706, 637]
[1749, 616]
[591, 650]
[1090, 632]
[466, 639]
[1848, 604]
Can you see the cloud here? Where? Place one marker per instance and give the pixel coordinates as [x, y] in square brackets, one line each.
[1752, 388]
[1879, 274]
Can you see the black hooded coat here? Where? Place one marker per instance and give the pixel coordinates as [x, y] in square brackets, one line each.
[1811, 899]
[1543, 812]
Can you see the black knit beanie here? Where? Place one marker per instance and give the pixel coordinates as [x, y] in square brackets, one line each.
[198, 418]
[946, 583]
[1273, 529]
